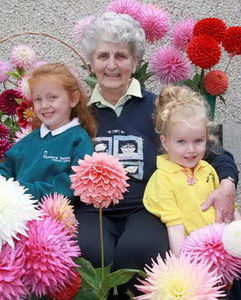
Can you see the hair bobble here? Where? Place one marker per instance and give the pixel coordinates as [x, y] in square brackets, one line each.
[165, 115]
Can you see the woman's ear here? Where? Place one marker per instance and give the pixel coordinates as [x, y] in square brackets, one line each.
[75, 99]
[164, 142]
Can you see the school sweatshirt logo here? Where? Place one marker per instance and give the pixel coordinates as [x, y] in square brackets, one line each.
[56, 158]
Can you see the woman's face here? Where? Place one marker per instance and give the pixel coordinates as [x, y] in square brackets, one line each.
[113, 64]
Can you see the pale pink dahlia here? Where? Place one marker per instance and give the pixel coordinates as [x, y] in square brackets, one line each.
[182, 33]
[80, 27]
[206, 244]
[4, 132]
[23, 88]
[11, 273]
[170, 65]
[99, 179]
[23, 56]
[49, 250]
[179, 279]
[22, 133]
[129, 7]
[4, 67]
[58, 208]
[154, 21]
[8, 101]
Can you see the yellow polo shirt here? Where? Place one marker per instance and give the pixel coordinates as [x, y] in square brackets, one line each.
[169, 196]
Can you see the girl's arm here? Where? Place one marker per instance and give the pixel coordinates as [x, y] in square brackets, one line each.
[176, 235]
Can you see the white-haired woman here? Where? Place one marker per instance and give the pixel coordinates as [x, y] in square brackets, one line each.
[114, 44]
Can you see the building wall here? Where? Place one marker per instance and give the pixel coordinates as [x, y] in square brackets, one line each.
[58, 18]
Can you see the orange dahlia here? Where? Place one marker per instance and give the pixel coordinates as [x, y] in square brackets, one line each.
[210, 26]
[204, 51]
[232, 40]
[216, 82]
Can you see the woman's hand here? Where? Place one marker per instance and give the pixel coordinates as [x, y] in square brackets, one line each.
[223, 200]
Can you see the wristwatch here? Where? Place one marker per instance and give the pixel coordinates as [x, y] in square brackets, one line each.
[230, 179]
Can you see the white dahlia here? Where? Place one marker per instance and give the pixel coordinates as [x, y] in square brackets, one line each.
[231, 238]
[16, 209]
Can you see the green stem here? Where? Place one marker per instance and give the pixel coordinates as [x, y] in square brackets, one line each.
[228, 64]
[101, 244]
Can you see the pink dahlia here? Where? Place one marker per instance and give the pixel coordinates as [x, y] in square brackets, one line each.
[179, 278]
[4, 67]
[216, 82]
[4, 132]
[99, 179]
[4, 146]
[154, 21]
[8, 102]
[206, 244]
[170, 65]
[129, 7]
[23, 88]
[182, 33]
[23, 56]
[11, 273]
[204, 51]
[49, 251]
[22, 133]
[80, 27]
[58, 208]
[25, 113]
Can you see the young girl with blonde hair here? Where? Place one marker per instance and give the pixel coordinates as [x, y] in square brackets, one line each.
[42, 160]
[182, 181]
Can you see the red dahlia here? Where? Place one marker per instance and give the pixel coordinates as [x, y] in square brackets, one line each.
[232, 40]
[204, 51]
[216, 82]
[210, 26]
[4, 132]
[4, 146]
[8, 103]
[25, 114]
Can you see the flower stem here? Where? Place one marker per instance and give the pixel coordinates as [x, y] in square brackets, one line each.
[101, 244]
[228, 64]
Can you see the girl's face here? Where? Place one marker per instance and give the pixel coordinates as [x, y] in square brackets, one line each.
[113, 64]
[52, 104]
[185, 143]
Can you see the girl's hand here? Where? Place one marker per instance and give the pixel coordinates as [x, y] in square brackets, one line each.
[223, 200]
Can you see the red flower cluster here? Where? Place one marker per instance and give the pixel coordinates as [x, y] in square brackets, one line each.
[4, 140]
[232, 40]
[216, 82]
[204, 51]
[8, 103]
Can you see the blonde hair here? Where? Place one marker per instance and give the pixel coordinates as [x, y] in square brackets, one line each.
[180, 103]
[63, 76]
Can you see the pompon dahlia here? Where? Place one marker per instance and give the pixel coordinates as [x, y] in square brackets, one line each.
[80, 27]
[206, 244]
[25, 113]
[129, 7]
[4, 146]
[154, 21]
[23, 88]
[232, 40]
[71, 288]
[11, 272]
[180, 279]
[8, 103]
[23, 56]
[213, 27]
[204, 51]
[17, 208]
[216, 82]
[4, 67]
[22, 133]
[49, 250]
[4, 132]
[182, 33]
[58, 207]
[170, 65]
[231, 238]
[99, 179]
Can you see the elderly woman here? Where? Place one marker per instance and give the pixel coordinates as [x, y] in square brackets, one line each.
[114, 44]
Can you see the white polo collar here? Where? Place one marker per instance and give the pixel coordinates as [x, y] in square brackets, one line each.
[44, 129]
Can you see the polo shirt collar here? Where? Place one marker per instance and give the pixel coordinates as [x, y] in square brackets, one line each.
[44, 129]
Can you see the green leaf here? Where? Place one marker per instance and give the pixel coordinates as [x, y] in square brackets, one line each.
[91, 80]
[222, 99]
[1, 114]
[86, 294]
[14, 74]
[8, 122]
[88, 274]
[106, 271]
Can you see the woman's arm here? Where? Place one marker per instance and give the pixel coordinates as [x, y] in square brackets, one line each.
[223, 198]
